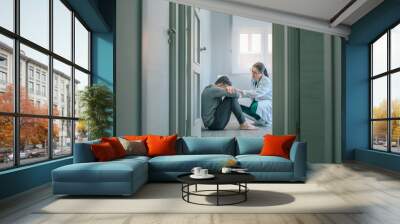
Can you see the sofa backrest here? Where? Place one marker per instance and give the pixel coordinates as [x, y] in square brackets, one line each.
[190, 146]
[249, 145]
[206, 145]
[83, 152]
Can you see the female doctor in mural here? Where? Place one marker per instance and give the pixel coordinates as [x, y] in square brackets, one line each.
[261, 94]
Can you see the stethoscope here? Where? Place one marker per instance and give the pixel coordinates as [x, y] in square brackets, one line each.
[256, 83]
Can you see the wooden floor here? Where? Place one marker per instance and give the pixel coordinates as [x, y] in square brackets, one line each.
[378, 189]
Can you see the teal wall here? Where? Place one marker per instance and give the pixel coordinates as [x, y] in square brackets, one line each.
[100, 16]
[103, 51]
[357, 85]
[102, 59]
[24, 178]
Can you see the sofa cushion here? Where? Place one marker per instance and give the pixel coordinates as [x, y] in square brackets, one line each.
[136, 137]
[112, 171]
[103, 152]
[135, 147]
[277, 145]
[249, 145]
[161, 145]
[257, 163]
[116, 145]
[207, 145]
[83, 152]
[132, 158]
[185, 163]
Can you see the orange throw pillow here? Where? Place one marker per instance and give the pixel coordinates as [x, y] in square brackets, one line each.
[275, 145]
[103, 152]
[161, 145]
[116, 145]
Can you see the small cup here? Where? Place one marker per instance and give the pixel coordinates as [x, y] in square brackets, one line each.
[196, 171]
[203, 172]
[226, 170]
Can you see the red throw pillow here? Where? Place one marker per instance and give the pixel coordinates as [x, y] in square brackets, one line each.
[275, 145]
[136, 137]
[116, 145]
[161, 145]
[103, 152]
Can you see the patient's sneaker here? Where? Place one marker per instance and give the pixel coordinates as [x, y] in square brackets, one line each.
[247, 126]
[260, 122]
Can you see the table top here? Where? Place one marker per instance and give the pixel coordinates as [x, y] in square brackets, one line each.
[220, 178]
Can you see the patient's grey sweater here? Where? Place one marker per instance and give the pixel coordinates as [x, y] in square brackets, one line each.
[211, 97]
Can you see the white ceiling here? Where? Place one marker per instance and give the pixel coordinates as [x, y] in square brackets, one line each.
[319, 9]
[313, 15]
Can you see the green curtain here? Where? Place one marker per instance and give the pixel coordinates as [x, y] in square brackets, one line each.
[307, 90]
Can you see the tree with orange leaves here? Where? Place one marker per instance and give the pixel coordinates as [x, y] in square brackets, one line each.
[33, 131]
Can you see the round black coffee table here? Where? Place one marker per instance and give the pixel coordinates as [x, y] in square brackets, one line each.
[238, 179]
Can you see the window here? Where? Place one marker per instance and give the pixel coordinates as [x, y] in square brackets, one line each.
[62, 137]
[395, 47]
[61, 73]
[7, 72]
[81, 45]
[81, 81]
[3, 61]
[6, 142]
[39, 62]
[44, 126]
[251, 42]
[33, 140]
[62, 31]
[30, 72]
[38, 72]
[385, 91]
[3, 78]
[35, 21]
[30, 87]
[7, 14]
[3, 72]
[44, 91]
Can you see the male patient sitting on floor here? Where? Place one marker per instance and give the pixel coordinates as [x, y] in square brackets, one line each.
[218, 101]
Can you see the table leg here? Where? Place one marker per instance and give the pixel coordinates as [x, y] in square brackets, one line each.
[245, 193]
[217, 194]
[195, 188]
[188, 190]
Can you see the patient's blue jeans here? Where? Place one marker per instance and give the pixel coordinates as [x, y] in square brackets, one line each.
[223, 113]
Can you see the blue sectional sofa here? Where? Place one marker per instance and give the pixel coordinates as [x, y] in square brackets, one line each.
[125, 176]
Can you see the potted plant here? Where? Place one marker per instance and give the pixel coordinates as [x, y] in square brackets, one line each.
[96, 102]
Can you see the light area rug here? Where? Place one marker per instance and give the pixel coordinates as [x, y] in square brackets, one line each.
[166, 198]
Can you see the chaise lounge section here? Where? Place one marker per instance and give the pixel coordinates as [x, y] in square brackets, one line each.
[125, 176]
[88, 177]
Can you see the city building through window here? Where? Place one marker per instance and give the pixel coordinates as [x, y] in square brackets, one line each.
[38, 125]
